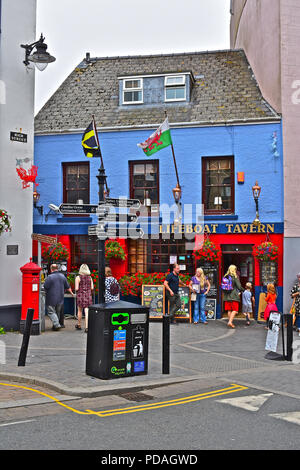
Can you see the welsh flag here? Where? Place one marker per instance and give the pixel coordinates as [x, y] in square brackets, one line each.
[160, 139]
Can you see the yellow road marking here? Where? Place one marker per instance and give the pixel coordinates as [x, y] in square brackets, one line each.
[48, 396]
[178, 401]
[134, 409]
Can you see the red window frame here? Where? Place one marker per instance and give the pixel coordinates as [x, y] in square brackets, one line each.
[204, 186]
[131, 187]
[65, 190]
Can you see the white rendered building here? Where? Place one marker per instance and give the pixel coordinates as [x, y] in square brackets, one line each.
[18, 26]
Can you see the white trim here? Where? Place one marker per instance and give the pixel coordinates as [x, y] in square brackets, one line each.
[128, 90]
[130, 77]
[174, 86]
[232, 122]
[171, 100]
[179, 75]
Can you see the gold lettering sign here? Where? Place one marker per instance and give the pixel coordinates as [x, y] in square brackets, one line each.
[213, 228]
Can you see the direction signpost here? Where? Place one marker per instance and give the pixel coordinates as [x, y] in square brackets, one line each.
[78, 208]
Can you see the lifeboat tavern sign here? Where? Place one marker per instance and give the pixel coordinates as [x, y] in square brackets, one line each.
[221, 228]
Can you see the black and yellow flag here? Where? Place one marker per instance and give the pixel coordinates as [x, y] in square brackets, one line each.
[89, 142]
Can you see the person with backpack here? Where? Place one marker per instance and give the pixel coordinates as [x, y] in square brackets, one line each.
[231, 288]
[112, 287]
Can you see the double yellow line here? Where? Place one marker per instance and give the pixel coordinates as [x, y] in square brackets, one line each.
[134, 409]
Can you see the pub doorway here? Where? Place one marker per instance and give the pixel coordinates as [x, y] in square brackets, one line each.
[242, 257]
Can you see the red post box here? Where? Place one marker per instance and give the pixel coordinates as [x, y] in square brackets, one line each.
[30, 295]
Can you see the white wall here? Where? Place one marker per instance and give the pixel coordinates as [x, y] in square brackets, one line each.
[18, 19]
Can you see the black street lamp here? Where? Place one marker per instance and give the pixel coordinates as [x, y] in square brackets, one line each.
[256, 189]
[101, 243]
[40, 57]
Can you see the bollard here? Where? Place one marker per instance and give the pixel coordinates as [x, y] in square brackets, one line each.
[166, 345]
[289, 336]
[26, 336]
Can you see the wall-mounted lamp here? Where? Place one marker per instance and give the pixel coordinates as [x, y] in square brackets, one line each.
[40, 57]
[256, 189]
[36, 198]
[177, 193]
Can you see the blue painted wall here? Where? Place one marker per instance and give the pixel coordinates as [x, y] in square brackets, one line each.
[251, 146]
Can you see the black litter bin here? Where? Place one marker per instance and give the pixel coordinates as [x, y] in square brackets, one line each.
[117, 341]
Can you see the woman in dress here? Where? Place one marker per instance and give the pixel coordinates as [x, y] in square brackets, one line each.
[232, 297]
[83, 287]
[200, 286]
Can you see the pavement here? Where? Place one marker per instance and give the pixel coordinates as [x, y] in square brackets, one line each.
[207, 354]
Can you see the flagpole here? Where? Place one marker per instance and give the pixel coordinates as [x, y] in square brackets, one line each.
[174, 159]
[102, 165]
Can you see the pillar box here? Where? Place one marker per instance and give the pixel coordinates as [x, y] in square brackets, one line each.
[30, 295]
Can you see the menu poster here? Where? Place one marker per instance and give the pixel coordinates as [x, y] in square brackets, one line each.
[185, 311]
[211, 309]
[154, 298]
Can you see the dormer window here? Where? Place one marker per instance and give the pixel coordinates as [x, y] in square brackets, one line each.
[133, 91]
[175, 88]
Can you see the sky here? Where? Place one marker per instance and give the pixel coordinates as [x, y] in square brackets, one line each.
[124, 27]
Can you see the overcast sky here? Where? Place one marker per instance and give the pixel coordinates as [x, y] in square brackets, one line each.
[124, 27]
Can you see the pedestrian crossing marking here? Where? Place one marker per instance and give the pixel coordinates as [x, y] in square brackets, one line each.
[291, 417]
[250, 402]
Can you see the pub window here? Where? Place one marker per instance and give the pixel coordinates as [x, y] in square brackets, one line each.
[163, 253]
[84, 251]
[144, 179]
[218, 185]
[137, 256]
[76, 182]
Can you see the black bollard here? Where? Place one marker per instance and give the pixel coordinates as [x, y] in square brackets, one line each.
[166, 345]
[289, 336]
[26, 336]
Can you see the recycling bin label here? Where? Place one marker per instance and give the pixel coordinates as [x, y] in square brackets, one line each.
[138, 341]
[119, 345]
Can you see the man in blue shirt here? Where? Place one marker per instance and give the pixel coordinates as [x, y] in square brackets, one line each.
[172, 284]
[55, 286]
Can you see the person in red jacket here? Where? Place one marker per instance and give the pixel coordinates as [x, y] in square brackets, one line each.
[271, 301]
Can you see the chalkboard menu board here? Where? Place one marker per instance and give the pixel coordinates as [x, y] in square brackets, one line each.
[210, 309]
[268, 272]
[154, 298]
[211, 271]
[184, 312]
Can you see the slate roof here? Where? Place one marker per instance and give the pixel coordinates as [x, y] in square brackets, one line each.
[224, 90]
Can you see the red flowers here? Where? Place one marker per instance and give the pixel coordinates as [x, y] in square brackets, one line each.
[131, 284]
[266, 251]
[113, 249]
[55, 252]
[207, 252]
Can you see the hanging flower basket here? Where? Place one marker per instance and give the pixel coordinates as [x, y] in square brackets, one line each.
[114, 250]
[55, 252]
[5, 225]
[208, 252]
[266, 251]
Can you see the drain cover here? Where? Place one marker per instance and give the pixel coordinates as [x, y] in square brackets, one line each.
[135, 396]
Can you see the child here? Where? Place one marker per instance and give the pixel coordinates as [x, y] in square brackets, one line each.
[247, 301]
[271, 301]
